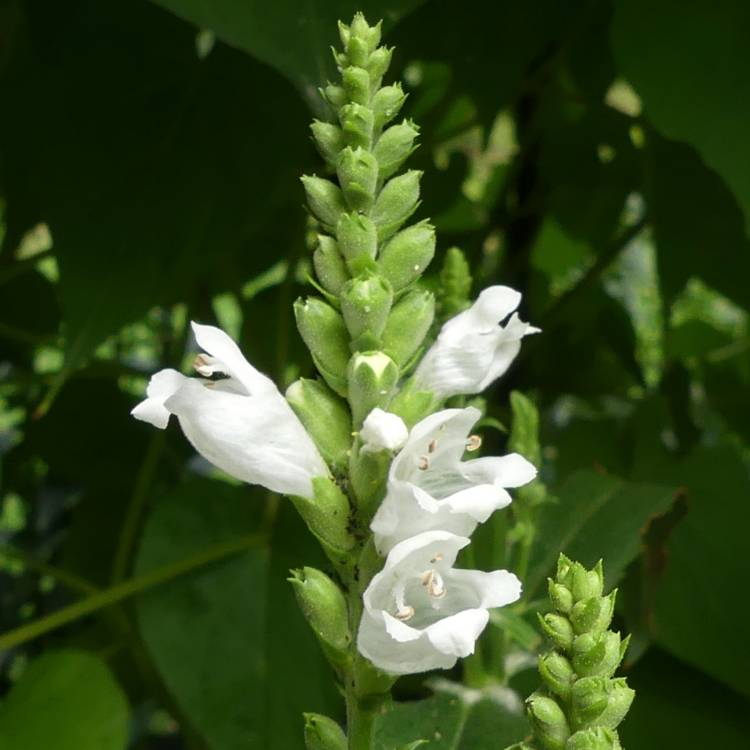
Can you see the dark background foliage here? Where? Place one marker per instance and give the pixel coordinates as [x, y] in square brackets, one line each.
[593, 154]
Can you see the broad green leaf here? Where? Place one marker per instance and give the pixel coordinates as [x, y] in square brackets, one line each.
[456, 718]
[698, 614]
[231, 646]
[294, 38]
[690, 62]
[66, 700]
[595, 516]
[678, 707]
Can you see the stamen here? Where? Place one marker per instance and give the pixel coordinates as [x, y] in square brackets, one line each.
[474, 443]
[404, 614]
[434, 584]
[202, 365]
[438, 557]
[432, 446]
[403, 611]
[424, 463]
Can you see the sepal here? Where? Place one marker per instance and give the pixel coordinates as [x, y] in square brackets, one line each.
[394, 147]
[596, 654]
[593, 615]
[357, 171]
[408, 323]
[397, 201]
[548, 720]
[325, 417]
[596, 738]
[329, 265]
[365, 303]
[387, 103]
[558, 629]
[560, 596]
[404, 259]
[326, 201]
[358, 242]
[357, 122]
[329, 139]
[322, 733]
[357, 84]
[557, 673]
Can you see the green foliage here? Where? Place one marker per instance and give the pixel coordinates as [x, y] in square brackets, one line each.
[591, 154]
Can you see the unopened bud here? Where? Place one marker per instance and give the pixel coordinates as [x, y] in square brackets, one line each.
[357, 171]
[596, 654]
[557, 673]
[560, 596]
[588, 699]
[324, 332]
[370, 35]
[358, 241]
[326, 201]
[322, 733]
[548, 720]
[397, 201]
[564, 570]
[329, 265]
[324, 608]
[558, 629]
[357, 84]
[413, 404]
[593, 615]
[327, 517]
[379, 62]
[373, 377]
[365, 303]
[357, 123]
[394, 147]
[387, 103]
[325, 417]
[619, 700]
[595, 738]
[329, 139]
[408, 324]
[407, 254]
[335, 96]
[586, 583]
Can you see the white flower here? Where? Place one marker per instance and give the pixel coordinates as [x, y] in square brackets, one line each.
[241, 423]
[383, 431]
[420, 613]
[472, 349]
[430, 487]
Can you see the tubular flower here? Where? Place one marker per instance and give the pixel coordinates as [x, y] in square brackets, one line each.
[430, 487]
[473, 349]
[420, 613]
[240, 423]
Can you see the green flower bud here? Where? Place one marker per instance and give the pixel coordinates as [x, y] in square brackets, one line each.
[619, 700]
[387, 103]
[335, 96]
[372, 382]
[370, 35]
[412, 405]
[325, 199]
[357, 84]
[379, 62]
[557, 673]
[324, 332]
[589, 698]
[596, 738]
[365, 303]
[564, 570]
[560, 596]
[358, 241]
[394, 147]
[455, 281]
[356, 51]
[586, 583]
[329, 139]
[596, 654]
[325, 417]
[357, 122]
[397, 201]
[405, 257]
[408, 324]
[558, 629]
[358, 175]
[327, 516]
[324, 607]
[322, 733]
[329, 265]
[593, 615]
[549, 722]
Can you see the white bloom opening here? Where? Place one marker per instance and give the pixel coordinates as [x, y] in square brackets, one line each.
[431, 487]
[473, 349]
[241, 423]
[382, 430]
[420, 613]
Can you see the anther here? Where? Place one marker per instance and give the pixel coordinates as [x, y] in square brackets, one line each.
[424, 463]
[202, 365]
[432, 446]
[474, 443]
[405, 614]
[438, 557]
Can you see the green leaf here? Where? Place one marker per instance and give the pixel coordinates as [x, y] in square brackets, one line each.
[689, 62]
[678, 707]
[595, 516]
[456, 718]
[67, 700]
[228, 641]
[294, 38]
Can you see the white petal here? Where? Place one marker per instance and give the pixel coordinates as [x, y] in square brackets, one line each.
[162, 385]
[512, 470]
[478, 502]
[485, 590]
[456, 635]
[255, 439]
[398, 630]
[221, 346]
[491, 306]
[382, 430]
[507, 346]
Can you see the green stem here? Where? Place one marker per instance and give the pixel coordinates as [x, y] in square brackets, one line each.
[117, 593]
